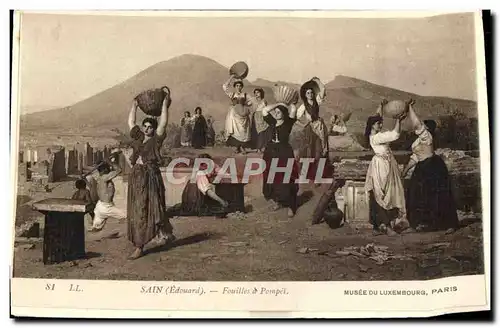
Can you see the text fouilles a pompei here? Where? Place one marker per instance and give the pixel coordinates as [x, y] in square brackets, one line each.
[254, 291]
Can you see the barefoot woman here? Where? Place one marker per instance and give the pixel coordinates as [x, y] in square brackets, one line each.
[238, 118]
[383, 181]
[146, 208]
[280, 192]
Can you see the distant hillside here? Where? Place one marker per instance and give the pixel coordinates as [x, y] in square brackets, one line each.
[197, 81]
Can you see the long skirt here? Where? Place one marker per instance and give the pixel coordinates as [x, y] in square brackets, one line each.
[237, 128]
[233, 142]
[259, 137]
[379, 215]
[146, 207]
[430, 201]
[281, 190]
[186, 134]
[195, 203]
[199, 138]
[312, 148]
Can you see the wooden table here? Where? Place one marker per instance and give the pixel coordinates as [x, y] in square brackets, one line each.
[64, 232]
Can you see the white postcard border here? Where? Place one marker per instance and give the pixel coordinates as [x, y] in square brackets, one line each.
[316, 300]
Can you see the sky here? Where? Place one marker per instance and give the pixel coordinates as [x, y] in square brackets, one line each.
[68, 58]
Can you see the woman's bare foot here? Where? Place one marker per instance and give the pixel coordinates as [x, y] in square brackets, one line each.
[290, 213]
[449, 231]
[136, 254]
[274, 206]
[420, 228]
[391, 233]
[408, 230]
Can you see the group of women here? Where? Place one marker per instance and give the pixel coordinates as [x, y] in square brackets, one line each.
[429, 203]
[267, 128]
[197, 131]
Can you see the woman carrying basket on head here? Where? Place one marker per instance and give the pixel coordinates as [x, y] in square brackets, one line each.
[146, 207]
[315, 146]
[383, 183]
[238, 117]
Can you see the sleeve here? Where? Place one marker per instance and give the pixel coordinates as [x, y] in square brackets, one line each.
[300, 111]
[339, 128]
[136, 133]
[160, 138]
[414, 158]
[203, 184]
[291, 121]
[269, 119]
[225, 87]
[424, 135]
[382, 138]
[248, 100]
[320, 99]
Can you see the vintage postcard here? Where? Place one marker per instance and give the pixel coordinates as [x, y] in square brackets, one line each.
[233, 164]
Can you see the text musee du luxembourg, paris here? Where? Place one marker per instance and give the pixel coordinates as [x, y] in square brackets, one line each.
[399, 292]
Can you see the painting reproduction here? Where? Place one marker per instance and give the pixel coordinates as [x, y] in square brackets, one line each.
[249, 164]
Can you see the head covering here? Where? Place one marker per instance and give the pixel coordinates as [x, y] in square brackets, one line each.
[369, 124]
[262, 93]
[431, 125]
[313, 109]
[238, 82]
[283, 110]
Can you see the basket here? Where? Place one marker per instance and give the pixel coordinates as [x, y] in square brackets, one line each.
[151, 101]
[239, 70]
[285, 94]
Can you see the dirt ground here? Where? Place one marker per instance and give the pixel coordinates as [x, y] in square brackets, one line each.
[258, 246]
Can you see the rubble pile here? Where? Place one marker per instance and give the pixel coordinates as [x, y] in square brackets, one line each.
[378, 253]
[458, 161]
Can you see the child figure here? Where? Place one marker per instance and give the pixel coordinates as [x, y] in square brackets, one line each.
[198, 197]
[203, 181]
[82, 193]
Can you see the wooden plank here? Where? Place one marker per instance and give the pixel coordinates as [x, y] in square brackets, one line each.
[61, 205]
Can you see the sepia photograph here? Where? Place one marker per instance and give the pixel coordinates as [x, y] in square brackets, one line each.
[287, 149]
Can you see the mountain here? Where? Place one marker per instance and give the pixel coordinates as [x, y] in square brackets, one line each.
[197, 81]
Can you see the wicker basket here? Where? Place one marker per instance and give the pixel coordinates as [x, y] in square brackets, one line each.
[151, 101]
[285, 94]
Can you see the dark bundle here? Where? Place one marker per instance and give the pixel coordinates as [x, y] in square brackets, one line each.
[151, 101]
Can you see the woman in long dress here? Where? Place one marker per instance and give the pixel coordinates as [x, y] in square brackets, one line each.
[261, 133]
[146, 207]
[315, 131]
[279, 191]
[199, 139]
[383, 180]
[210, 132]
[186, 129]
[238, 117]
[430, 202]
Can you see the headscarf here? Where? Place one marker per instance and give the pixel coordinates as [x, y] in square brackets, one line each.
[313, 109]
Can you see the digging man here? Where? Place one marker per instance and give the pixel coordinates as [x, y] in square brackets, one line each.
[105, 207]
